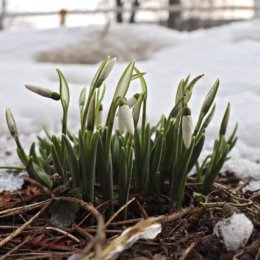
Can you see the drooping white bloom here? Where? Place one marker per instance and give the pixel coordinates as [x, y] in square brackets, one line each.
[187, 128]
[132, 100]
[125, 119]
[100, 116]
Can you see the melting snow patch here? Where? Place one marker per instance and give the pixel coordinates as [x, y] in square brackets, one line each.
[10, 181]
[234, 231]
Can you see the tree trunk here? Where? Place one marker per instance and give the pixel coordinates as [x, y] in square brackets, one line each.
[135, 4]
[2, 14]
[257, 9]
[119, 14]
[174, 20]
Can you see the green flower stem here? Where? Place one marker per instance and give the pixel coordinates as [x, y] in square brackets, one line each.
[85, 111]
[198, 125]
[7, 167]
[109, 124]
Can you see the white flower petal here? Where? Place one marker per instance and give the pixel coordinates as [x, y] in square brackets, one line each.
[125, 118]
[187, 130]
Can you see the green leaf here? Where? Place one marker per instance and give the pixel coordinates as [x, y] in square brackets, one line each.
[224, 123]
[38, 174]
[124, 81]
[210, 98]
[57, 163]
[64, 91]
[72, 162]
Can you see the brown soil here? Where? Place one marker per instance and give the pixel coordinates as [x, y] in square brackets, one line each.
[186, 238]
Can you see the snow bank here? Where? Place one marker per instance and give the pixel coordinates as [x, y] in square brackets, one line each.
[230, 53]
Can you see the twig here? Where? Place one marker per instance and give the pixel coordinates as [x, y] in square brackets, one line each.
[64, 233]
[178, 215]
[187, 250]
[20, 210]
[257, 257]
[27, 239]
[145, 215]
[36, 183]
[83, 232]
[221, 204]
[118, 212]
[235, 257]
[20, 229]
[89, 214]
[82, 203]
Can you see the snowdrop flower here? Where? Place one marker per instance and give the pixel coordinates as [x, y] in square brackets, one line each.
[43, 92]
[105, 71]
[100, 116]
[125, 119]
[11, 123]
[187, 127]
[132, 101]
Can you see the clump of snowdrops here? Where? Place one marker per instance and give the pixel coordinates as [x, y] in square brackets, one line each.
[101, 163]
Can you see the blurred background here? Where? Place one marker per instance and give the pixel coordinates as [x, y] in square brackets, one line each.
[178, 14]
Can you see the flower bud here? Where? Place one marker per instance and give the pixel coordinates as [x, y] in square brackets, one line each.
[224, 123]
[132, 101]
[44, 92]
[99, 116]
[210, 98]
[125, 119]
[105, 70]
[11, 123]
[187, 127]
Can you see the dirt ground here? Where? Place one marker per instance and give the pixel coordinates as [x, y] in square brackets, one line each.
[188, 237]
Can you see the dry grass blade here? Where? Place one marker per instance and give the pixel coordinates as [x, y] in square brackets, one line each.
[20, 210]
[118, 212]
[27, 239]
[25, 225]
[64, 233]
[82, 203]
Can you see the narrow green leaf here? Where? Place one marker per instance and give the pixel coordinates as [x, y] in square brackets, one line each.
[72, 162]
[36, 173]
[124, 81]
[64, 91]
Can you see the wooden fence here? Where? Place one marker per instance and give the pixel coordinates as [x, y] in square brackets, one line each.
[209, 9]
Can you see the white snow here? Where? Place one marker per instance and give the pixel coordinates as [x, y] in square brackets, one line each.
[235, 231]
[230, 53]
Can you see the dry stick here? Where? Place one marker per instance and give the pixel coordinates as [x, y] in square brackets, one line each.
[84, 233]
[89, 214]
[36, 183]
[26, 224]
[27, 239]
[118, 212]
[236, 256]
[64, 233]
[20, 210]
[188, 250]
[257, 257]
[178, 215]
[100, 235]
[145, 215]
[82, 203]
[241, 186]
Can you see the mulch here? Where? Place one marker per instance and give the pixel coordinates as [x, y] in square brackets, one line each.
[26, 232]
